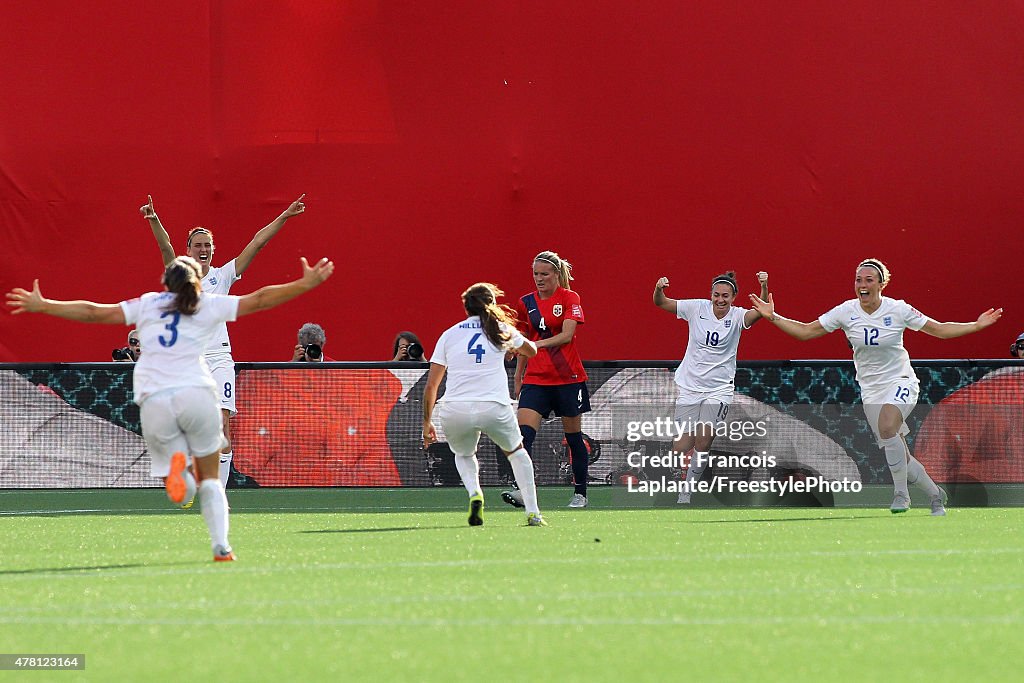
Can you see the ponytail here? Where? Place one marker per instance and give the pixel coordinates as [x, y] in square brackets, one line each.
[481, 300]
[182, 277]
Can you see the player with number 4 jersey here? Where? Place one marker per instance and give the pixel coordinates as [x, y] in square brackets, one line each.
[706, 376]
[476, 398]
[874, 326]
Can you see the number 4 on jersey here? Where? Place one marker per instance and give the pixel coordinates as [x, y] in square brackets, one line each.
[478, 350]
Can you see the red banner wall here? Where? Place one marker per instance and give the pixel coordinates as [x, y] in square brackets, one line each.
[443, 143]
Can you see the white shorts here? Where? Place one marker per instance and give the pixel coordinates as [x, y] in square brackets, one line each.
[902, 394]
[463, 421]
[222, 366]
[693, 408]
[183, 419]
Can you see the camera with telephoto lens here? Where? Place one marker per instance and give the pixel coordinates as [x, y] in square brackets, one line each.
[313, 352]
[415, 351]
[121, 354]
[1017, 349]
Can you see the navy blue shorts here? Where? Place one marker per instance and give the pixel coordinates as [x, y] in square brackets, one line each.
[566, 400]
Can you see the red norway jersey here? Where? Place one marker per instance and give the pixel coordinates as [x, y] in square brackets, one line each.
[541, 319]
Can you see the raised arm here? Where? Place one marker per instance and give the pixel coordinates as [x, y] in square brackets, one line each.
[794, 328]
[261, 238]
[951, 330]
[429, 399]
[662, 301]
[275, 295]
[23, 301]
[752, 316]
[163, 240]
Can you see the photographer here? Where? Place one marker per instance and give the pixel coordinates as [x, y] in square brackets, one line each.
[407, 347]
[1017, 347]
[130, 353]
[310, 348]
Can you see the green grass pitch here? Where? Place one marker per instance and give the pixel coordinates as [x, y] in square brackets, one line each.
[392, 585]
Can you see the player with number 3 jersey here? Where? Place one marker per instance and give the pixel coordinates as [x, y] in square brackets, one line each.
[874, 326]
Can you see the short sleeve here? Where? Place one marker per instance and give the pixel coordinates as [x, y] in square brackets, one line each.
[522, 322]
[687, 308]
[439, 356]
[575, 312]
[832, 320]
[912, 318]
[230, 272]
[130, 308]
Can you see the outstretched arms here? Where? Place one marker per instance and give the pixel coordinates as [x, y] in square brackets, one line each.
[163, 240]
[261, 238]
[752, 316]
[24, 301]
[275, 295]
[951, 330]
[793, 328]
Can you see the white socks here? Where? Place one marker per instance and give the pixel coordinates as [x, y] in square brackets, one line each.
[698, 463]
[469, 470]
[225, 468]
[522, 468]
[896, 458]
[214, 505]
[919, 478]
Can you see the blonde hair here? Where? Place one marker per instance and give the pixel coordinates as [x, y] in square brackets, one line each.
[562, 267]
[883, 272]
[481, 299]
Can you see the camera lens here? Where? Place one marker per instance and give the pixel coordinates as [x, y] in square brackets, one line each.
[120, 354]
[415, 351]
[314, 352]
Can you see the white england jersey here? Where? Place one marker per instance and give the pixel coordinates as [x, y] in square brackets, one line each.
[709, 364]
[476, 367]
[174, 343]
[219, 281]
[877, 340]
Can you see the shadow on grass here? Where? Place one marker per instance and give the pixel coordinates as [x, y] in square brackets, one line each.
[782, 519]
[379, 529]
[98, 567]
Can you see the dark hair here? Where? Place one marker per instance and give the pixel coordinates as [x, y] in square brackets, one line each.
[481, 299]
[413, 339]
[192, 233]
[183, 278]
[729, 278]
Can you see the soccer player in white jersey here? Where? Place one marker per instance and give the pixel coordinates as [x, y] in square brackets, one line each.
[173, 385]
[874, 326]
[476, 397]
[199, 245]
[706, 376]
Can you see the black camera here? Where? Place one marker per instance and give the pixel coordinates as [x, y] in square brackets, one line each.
[122, 354]
[415, 351]
[313, 352]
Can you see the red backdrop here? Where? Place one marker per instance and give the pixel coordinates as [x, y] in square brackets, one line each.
[440, 143]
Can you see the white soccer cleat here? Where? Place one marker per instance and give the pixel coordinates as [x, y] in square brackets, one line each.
[900, 503]
[683, 499]
[939, 503]
[578, 501]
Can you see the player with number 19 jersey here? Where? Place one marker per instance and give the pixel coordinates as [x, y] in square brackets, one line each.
[542, 319]
[709, 364]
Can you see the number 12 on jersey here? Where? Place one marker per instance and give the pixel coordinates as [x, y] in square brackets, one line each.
[478, 350]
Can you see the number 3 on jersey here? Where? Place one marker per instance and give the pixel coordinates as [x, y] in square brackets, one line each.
[478, 350]
[171, 327]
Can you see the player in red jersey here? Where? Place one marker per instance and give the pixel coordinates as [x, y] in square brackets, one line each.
[554, 380]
